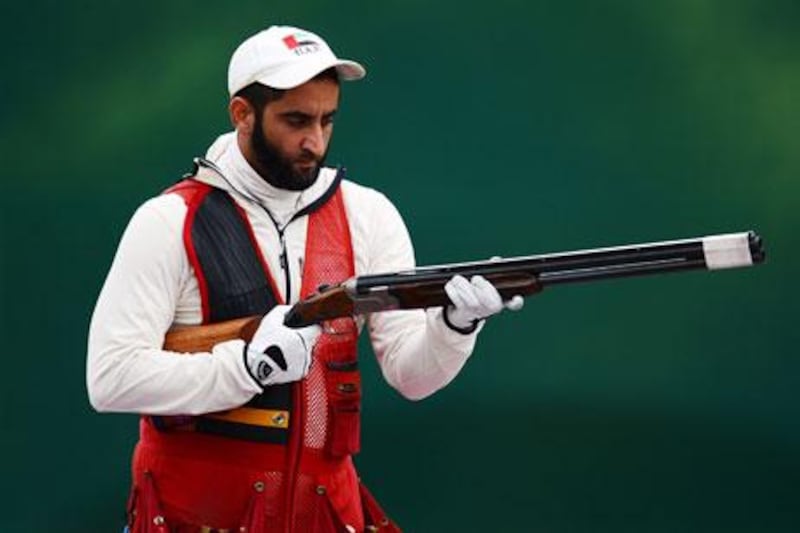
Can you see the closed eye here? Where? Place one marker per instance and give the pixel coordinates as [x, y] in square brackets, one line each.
[296, 119]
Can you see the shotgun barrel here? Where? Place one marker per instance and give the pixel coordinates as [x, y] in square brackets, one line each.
[424, 286]
[712, 252]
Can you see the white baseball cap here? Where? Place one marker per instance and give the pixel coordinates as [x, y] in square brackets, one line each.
[283, 57]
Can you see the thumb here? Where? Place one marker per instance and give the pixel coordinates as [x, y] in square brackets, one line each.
[515, 303]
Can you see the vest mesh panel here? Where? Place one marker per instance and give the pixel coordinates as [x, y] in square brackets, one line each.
[330, 241]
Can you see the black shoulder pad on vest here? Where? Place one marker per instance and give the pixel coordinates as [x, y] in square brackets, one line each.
[236, 280]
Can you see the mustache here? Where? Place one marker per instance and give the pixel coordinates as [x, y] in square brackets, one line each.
[307, 156]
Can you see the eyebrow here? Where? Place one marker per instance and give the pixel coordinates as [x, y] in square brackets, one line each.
[306, 116]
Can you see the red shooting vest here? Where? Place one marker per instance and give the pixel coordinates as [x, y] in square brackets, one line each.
[283, 462]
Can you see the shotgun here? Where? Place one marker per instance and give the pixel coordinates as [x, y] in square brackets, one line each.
[424, 287]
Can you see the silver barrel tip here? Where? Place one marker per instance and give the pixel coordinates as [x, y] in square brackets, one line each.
[732, 250]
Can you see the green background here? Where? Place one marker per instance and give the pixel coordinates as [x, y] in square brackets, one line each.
[508, 127]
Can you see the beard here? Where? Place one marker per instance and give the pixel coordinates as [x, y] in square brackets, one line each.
[277, 169]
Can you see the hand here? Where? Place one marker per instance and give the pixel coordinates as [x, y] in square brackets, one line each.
[472, 301]
[278, 354]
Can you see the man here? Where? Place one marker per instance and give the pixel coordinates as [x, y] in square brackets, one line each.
[259, 435]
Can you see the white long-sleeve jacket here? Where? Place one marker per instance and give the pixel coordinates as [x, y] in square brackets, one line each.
[151, 288]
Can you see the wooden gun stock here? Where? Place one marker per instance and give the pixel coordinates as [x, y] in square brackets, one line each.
[332, 303]
[194, 339]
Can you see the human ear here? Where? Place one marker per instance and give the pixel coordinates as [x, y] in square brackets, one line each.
[242, 115]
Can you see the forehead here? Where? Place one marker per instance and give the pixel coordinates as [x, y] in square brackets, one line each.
[315, 96]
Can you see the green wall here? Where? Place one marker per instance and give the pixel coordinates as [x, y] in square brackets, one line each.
[508, 127]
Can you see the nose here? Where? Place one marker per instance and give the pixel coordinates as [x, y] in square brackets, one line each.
[314, 140]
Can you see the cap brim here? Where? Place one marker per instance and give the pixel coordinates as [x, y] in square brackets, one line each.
[350, 70]
[292, 76]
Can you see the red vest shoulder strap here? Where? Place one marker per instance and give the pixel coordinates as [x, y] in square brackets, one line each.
[191, 190]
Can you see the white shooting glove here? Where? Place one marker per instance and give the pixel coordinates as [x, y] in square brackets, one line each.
[278, 354]
[473, 301]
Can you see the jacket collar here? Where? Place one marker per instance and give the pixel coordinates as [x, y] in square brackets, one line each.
[226, 168]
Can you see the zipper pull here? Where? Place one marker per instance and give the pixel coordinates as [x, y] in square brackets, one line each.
[284, 261]
[283, 257]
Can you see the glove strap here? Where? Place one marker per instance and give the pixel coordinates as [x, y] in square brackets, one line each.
[464, 331]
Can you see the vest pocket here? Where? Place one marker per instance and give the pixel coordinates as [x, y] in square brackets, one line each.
[344, 408]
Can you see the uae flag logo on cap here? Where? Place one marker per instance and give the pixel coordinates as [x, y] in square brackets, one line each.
[297, 40]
